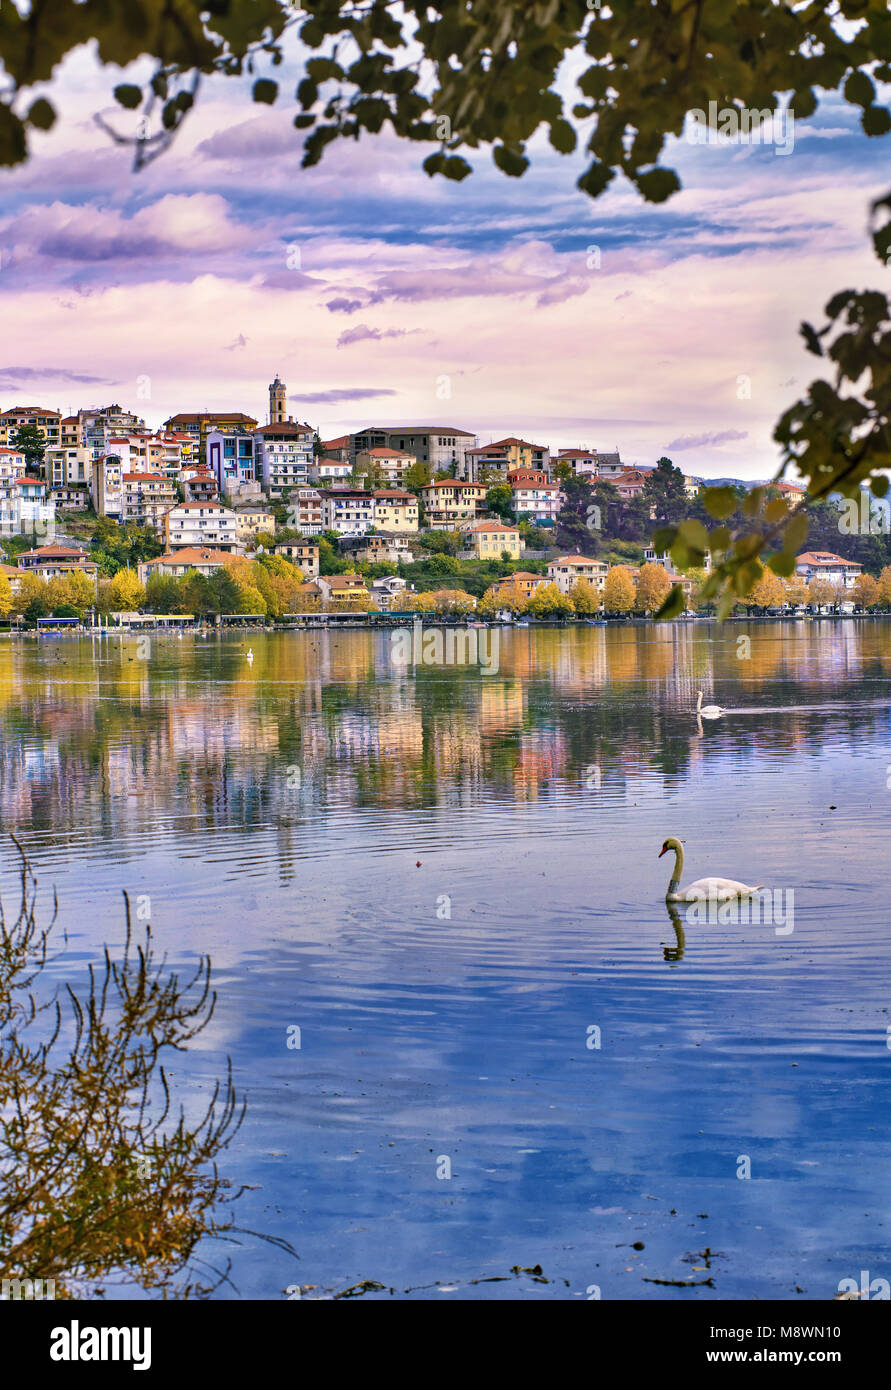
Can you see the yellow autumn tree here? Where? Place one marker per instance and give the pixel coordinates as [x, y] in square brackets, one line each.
[5, 596]
[865, 592]
[453, 602]
[126, 592]
[653, 585]
[885, 585]
[618, 590]
[768, 591]
[585, 598]
[796, 590]
[417, 603]
[820, 591]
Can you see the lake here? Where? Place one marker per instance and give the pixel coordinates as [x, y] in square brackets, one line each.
[448, 880]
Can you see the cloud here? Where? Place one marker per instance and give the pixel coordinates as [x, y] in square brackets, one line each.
[60, 373]
[177, 225]
[700, 441]
[361, 333]
[343, 306]
[240, 342]
[353, 393]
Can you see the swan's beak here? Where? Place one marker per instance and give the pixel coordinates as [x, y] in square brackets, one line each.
[663, 850]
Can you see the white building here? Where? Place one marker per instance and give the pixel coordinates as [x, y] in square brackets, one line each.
[283, 457]
[200, 524]
[348, 511]
[26, 510]
[568, 568]
[823, 564]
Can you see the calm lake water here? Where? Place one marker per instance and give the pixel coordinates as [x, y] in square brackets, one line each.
[449, 882]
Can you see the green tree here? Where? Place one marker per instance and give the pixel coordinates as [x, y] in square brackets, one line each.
[664, 492]
[30, 441]
[500, 499]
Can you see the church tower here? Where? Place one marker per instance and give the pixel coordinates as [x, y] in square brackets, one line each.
[278, 402]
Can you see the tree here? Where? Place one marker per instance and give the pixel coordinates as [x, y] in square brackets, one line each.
[585, 598]
[417, 603]
[548, 602]
[453, 601]
[885, 586]
[866, 591]
[5, 596]
[820, 592]
[768, 591]
[618, 590]
[31, 590]
[162, 594]
[416, 476]
[796, 590]
[127, 593]
[29, 439]
[653, 586]
[665, 493]
[500, 499]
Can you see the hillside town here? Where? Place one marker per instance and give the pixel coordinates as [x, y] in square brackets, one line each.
[217, 515]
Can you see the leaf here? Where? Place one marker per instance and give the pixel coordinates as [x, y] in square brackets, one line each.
[812, 339]
[664, 538]
[456, 168]
[128, 95]
[672, 606]
[658, 184]
[879, 486]
[781, 563]
[795, 533]
[265, 90]
[876, 120]
[307, 92]
[859, 89]
[719, 502]
[694, 535]
[595, 179]
[562, 137]
[41, 115]
[510, 162]
[776, 510]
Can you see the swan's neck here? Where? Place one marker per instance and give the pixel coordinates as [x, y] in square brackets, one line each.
[678, 868]
[699, 702]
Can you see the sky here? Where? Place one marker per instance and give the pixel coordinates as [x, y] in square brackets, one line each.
[381, 296]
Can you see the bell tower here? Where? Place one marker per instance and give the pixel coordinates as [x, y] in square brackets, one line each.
[278, 402]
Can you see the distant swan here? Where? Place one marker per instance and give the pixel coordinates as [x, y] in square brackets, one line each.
[250, 657]
[709, 711]
[722, 890]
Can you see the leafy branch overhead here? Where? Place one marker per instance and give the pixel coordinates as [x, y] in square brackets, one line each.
[486, 73]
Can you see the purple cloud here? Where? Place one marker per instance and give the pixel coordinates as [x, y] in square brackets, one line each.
[700, 441]
[356, 393]
[343, 306]
[361, 333]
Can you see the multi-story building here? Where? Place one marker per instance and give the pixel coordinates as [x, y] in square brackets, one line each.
[340, 590]
[391, 464]
[12, 463]
[181, 562]
[199, 426]
[329, 470]
[568, 568]
[450, 501]
[53, 561]
[200, 524]
[26, 509]
[442, 447]
[231, 458]
[68, 468]
[49, 422]
[350, 511]
[283, 453]
[505, 455]
[337, 448]
[533, 495]
[488, 540]
[521, 580]
[253, 519]
[302, 554]
[305, 511]
[198, 483]
[396, 510]
[146, 498]
[388, 546]
[824, 564]
[630, 483]
[106, 486]
[95, 428]
[592, 462]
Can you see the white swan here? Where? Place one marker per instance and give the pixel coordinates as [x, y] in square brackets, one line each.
[722, 890]
[709, 711]
[250, 657]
